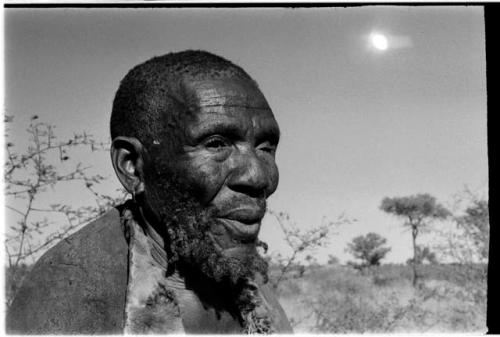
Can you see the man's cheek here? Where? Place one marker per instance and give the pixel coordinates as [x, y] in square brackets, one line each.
[206, 181]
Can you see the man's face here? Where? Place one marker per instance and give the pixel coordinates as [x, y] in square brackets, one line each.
[225, 158]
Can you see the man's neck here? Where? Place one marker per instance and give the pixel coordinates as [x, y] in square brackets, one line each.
[155, 239]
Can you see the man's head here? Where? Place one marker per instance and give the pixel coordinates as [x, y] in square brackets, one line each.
[195, 140]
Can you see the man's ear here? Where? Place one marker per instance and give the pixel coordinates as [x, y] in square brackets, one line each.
[127, 155]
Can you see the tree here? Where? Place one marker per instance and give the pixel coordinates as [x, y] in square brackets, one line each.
[368, 248]
[465, 243]
[30, 175]
[417, 211]
[476, 225]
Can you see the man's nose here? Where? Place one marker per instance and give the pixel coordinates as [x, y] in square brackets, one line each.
[250, 174]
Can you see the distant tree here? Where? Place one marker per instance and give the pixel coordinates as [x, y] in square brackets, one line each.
[368, 248]
[417, 211]
[466, 243]
[476, 225]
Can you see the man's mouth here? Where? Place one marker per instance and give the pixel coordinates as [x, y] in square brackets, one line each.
[241, 231]
[243, 223]
[246, 215]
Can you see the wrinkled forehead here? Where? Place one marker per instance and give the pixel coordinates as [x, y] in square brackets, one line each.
[235, 93]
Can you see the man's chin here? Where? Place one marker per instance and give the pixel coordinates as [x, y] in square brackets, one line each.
[241, 251]
[234, 263]
[219, 249]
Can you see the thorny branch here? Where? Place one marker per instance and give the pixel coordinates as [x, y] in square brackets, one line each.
[302, 241]
[27, 176]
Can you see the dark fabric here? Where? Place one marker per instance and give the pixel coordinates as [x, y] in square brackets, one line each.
[78, 286]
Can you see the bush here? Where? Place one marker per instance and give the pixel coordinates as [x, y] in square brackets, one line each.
[368, 248]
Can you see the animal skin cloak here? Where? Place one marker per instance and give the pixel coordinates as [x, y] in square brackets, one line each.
[93, 283]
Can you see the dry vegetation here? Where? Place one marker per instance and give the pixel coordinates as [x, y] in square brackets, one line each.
[339, 299]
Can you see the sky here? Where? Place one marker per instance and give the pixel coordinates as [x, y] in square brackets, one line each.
[358, 123]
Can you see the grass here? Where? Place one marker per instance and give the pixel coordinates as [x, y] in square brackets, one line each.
[339, 299]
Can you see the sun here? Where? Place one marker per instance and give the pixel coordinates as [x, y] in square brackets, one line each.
[379, 41]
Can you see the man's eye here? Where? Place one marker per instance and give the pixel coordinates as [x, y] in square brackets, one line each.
[216, 143]
[267, 147]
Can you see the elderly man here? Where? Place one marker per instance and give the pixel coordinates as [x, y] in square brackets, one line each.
[194, 142]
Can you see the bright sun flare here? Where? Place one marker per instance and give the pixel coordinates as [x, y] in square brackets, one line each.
[379, 41]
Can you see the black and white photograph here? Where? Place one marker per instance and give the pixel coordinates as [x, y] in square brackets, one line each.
[245, 169]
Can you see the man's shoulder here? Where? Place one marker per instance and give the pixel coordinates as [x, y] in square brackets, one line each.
[101, 238]
[95, 246]
[78, 286]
